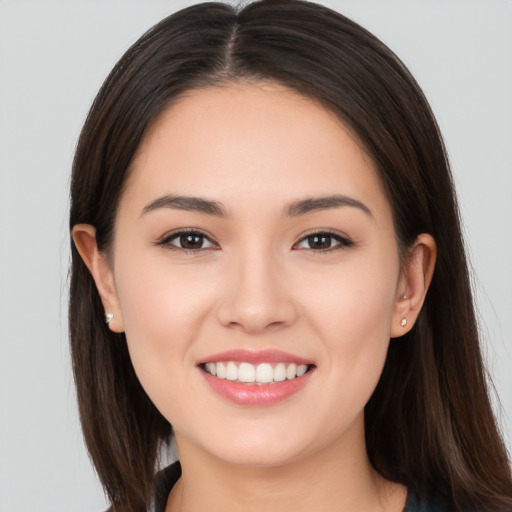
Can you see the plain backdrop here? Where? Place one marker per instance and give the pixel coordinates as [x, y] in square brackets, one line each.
[54, 56]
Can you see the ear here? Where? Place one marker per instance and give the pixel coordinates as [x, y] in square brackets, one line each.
[413, 284]
[84, 237]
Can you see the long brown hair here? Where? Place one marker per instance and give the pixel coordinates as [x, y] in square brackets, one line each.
[429, 423]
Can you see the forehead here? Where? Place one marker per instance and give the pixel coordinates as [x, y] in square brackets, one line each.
[251, 139]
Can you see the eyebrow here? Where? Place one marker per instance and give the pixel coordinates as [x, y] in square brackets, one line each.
[294, 209]
[191, 204]
[315, 204]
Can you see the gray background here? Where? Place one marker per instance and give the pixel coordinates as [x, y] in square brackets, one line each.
[54, 56]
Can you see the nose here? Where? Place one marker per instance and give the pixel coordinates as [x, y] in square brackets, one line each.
[258, 297]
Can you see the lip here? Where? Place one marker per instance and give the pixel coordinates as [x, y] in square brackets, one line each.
[256, 395]
[255, 357]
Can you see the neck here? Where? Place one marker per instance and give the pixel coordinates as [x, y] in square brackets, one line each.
[337, 478]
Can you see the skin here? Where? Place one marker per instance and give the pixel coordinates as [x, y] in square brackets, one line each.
[257, 282]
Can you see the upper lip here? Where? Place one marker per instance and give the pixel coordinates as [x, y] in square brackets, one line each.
[255, 357]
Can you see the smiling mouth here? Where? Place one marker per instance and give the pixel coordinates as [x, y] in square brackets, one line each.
[262, 373]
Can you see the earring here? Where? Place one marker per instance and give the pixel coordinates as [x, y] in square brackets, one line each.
[403, 323]
[108, 317]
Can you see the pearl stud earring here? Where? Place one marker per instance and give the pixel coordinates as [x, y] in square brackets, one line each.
[403, 323]
[108, 317]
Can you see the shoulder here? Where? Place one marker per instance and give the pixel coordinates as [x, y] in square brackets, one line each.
[415, 504]
[164, 482]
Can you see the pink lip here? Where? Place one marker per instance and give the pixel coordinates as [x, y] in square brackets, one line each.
[255, 357]
[255, 395]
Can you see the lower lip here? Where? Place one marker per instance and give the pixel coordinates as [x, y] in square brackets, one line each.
[256, 394]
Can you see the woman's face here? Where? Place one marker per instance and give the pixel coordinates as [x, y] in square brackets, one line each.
[254, 235]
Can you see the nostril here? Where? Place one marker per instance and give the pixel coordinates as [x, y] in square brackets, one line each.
[244, 314]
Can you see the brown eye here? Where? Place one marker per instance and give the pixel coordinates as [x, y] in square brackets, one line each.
[319, 241]
[324, 241]
[191, 241]
[187, 241]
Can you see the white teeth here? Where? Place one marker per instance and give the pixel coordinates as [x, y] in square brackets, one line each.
[246, 372]
[232, 371]
[301, 370]
[291, 371]
[280, 372]
[262, 373]
[221, 370]
[211, 368]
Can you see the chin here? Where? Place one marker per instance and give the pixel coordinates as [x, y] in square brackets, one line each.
[258, 449]
[257, 458]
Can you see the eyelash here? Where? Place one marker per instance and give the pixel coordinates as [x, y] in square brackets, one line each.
[343, 241]
[165, 241]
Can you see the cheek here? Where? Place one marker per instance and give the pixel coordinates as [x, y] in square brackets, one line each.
[353, 315]
[163, 309]
[356, 296]
[159, 299]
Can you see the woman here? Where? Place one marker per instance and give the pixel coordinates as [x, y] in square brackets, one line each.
[263, 212]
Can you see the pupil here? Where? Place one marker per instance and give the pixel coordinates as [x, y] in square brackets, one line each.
[191, 241]
[320, 241]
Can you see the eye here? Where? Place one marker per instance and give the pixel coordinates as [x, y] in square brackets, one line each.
[323, 241]
[188, 241]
